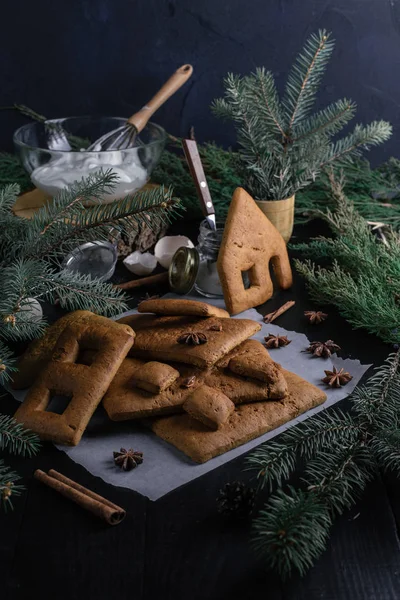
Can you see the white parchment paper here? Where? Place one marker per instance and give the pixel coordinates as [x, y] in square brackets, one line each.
[164, 468]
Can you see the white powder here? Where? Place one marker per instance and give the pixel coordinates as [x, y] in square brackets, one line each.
[60, 172]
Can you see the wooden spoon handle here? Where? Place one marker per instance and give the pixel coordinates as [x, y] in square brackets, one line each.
[181, 75]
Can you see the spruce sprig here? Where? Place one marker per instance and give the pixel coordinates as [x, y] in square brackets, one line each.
[15, 439]
[342, 452]
[361, 274]
[31, 252]
[9, 487]
[282, 147]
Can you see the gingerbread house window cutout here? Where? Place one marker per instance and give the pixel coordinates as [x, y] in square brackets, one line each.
[250, 242]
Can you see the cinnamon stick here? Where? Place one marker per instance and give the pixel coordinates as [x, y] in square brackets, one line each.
[151, 280]
[279, 311]
[96, 504]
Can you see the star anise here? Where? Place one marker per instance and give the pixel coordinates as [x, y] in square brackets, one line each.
[192, 338]
[128, 459]
[323, 349]
[276, 341]
[189, 382]
[216, 327]
[315, 316]
[337, 378]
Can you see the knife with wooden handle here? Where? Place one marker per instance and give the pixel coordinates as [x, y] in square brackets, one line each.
[197, 172]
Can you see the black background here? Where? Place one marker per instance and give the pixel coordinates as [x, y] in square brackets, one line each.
[80, 57]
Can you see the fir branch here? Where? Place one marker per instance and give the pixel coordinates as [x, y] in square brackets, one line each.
[291, 531]
[266, 100]
[328, 121]
[339, 461]
[362, 277]
[274, 461]
[305, 76]
[7, 363]
[379, 402]
[339, 475]
[362, 137]
[8, 486]
[64, 225]
[8, 197]
[282, 149]
[385, 446]
[12, 172]
[16, 439]
[80, 292]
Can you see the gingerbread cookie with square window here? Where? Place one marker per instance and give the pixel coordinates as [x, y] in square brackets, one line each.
[249, 243]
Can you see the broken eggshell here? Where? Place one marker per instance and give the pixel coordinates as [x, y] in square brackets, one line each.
[166, 247]
[140, 263]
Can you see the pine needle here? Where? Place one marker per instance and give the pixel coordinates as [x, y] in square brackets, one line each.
[338, 454]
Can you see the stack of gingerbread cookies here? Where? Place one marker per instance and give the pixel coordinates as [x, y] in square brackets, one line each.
[184, 368]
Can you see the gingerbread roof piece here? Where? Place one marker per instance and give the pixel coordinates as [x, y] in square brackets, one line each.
[250, 242]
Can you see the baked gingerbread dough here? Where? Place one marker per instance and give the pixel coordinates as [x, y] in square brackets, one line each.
[172, 306]
[124, 401]
[249, 243]
[209, 406]
[157, 337]
[39, 352]
[85, 384]
[247, 422]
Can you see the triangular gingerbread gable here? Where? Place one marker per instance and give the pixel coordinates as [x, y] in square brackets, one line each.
[249, 243]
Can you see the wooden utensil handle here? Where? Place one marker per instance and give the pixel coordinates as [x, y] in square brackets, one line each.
[151, 280]
[181, 75]
[196, 169]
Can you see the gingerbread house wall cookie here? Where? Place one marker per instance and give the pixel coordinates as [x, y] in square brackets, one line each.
[250, 242]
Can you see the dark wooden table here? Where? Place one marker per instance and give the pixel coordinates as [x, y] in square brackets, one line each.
[179, 548]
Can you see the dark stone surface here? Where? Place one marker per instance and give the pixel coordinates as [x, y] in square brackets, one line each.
[109, 57]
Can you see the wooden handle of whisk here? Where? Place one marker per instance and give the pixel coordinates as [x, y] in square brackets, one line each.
[181, 75]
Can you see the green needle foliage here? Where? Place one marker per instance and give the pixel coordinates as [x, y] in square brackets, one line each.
[341, 452]
[375, 193]
[31, 252]
[282, 147]
[361, 271]
[17, 440]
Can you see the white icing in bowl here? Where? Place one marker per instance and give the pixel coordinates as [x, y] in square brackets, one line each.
[71, 167]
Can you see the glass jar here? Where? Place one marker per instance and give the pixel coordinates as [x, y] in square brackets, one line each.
[209, 242]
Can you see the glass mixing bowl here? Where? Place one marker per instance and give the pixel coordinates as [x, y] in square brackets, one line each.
[53, 170]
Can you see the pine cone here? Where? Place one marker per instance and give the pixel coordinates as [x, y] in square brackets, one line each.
[236, 500]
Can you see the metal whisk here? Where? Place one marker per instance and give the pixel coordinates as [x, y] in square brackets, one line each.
[124, 137]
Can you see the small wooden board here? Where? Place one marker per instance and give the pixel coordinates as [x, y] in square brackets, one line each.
[30, 202]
